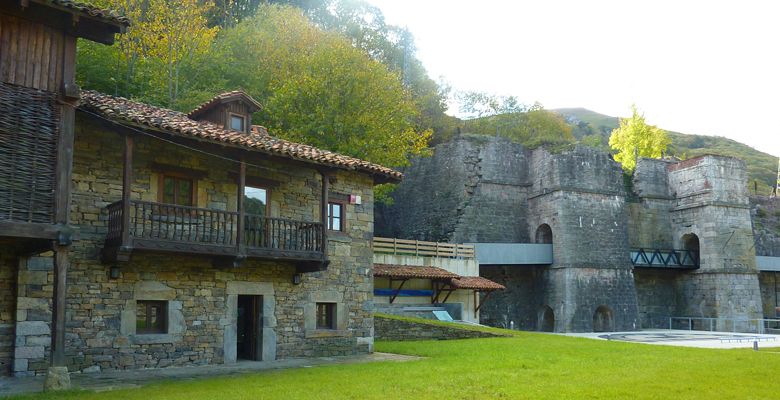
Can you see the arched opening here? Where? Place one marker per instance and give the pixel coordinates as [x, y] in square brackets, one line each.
[690, 242]
[544, 234]
[603, 319]
[545, 320]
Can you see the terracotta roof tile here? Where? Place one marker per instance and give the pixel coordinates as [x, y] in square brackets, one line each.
[221, 97]
[412, 271]
[475, 282]
[176, 123]
[90, 10]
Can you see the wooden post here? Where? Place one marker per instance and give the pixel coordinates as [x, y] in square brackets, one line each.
[127, 189]
[58, 319]
[241, 211]
[324, 213]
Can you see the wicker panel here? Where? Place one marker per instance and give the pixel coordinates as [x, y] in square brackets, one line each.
[29, 123]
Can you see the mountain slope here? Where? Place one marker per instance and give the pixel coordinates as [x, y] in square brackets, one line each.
[594, 129]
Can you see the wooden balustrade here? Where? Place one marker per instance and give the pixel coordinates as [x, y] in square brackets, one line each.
[158, 226]
[422, 248]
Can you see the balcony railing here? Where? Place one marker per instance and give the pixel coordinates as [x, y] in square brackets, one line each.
[158, 226]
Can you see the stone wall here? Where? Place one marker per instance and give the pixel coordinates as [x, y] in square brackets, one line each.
[35, 286]
[658, 296]
[8, 267]
[396, 329]
[471, 190]
[765, 212]
[201, 299]
[580, 195]
[770, 294]
[519, 304]
[711, 202]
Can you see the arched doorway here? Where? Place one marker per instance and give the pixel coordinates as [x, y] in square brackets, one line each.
[544, 234]
[545, 320]
[603, 319]
[690, 242]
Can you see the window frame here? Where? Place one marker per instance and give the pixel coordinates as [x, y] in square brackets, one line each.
[325, 315]
[342, 216]
[243, 122]
[178, 177]
[147, 305]
[267, 197]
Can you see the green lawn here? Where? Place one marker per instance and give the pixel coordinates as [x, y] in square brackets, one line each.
[528, 365]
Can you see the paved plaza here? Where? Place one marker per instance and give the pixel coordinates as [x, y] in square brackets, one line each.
[125, 379]
[703, 339]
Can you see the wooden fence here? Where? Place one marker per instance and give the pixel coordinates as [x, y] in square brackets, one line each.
[421, 248]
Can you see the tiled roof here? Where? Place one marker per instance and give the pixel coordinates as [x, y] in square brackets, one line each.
[475, 282]
[176, 123]
[90, 10]
[222, 97]
[409, 271]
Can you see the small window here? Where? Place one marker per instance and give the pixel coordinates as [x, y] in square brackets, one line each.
[335, 216]
[178, 191]
[151, 317]
[237, 123]
[255, 200]
[326, 315]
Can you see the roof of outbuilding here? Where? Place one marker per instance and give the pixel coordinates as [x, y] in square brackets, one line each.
[227, 96]
[176, 123]
[90, 10]
[412, 271]
[476, 283]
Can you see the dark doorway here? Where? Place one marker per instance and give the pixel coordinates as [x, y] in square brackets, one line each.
[546, 322]
[249, 338]
[544, 234]
[603, 320]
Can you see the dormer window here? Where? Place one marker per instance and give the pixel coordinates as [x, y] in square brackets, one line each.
[237, 123]
[231, 111]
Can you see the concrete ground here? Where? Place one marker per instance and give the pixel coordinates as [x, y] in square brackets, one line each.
[123, 379]
[703, 339]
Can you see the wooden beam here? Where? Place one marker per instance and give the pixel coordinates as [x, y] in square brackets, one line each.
[324, 213]
[29, 230]
[188, 172]
[61, 264]
[241, 210]
[397, 291]
[127, 188]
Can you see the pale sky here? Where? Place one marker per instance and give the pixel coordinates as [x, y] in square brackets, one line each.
[699, 67]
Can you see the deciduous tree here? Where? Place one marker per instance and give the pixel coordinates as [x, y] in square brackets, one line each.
[634, 137]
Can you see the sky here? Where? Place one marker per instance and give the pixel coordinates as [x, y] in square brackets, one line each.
[698, 67]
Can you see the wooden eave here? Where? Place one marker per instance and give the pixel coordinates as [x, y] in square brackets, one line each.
[74, 22]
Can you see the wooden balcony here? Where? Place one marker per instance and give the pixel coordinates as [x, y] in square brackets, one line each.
[161, 227]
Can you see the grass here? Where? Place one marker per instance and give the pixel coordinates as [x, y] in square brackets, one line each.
[525, 366]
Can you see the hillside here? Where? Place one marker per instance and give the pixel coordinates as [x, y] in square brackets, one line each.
[594, 129]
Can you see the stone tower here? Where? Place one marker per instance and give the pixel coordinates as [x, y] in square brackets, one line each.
[711, 212]
[578, 196]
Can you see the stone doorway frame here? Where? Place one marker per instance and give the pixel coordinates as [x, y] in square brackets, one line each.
[230, 321]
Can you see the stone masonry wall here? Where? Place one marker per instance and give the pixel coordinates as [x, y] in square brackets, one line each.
[33, 314]
[658, 296]
[711, 201]
[770, 293]
[100, 315]
[520, 302]
[8, 267]
[395, 329]
[471, 190]
[580, 195]
[765, 213]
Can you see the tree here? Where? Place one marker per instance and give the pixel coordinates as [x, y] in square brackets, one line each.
[148, 59]
[316, 87]
[634, 137]
[531, 126]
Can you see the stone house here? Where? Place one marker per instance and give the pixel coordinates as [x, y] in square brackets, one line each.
[176, 239]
